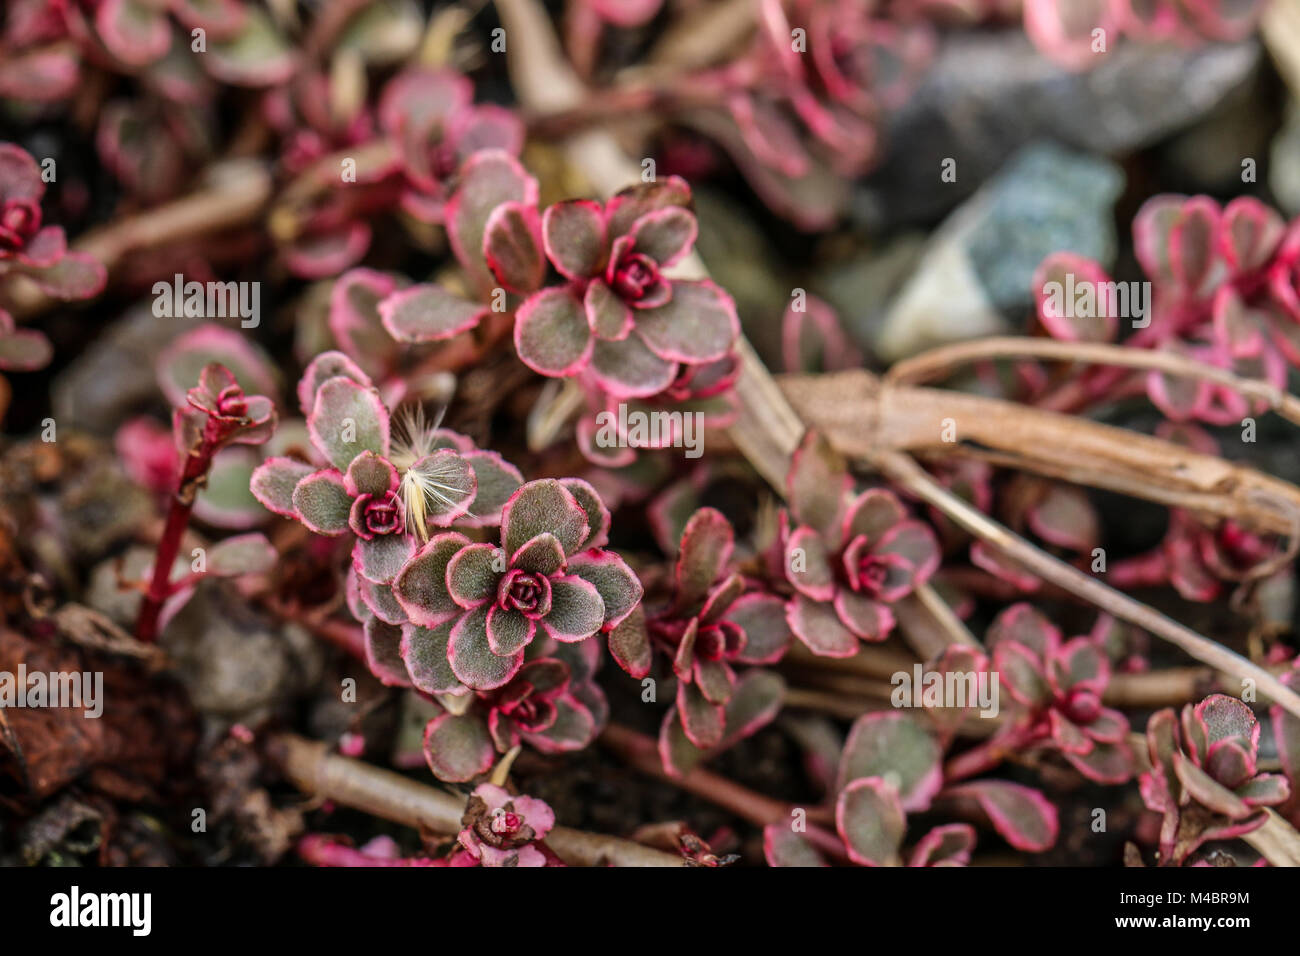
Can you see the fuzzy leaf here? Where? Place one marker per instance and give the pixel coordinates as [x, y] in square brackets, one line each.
[512, 246]
[698, 324]
[629, 369]
[347, 420]
[458, 748]
[629, 644]
[783, 847]
[870, 821]
[704, 553]
[428, 313]
[320, 370]
[487, 179]
[1022, 815]
[472, 660]
[322, 503]
[421, 586]
[273, 483]
[241, 554]
[384, 653]
[551, 333]
[767, 635]
[619, 588]
[543, 506]
[897, 749]
[575, 238]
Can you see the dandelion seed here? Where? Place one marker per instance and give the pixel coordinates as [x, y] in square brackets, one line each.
[430, 483]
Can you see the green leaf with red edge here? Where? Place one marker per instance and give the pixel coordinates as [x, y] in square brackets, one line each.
[551, 333]
[869, 819]
[487, 179]
[698, 324]
[1208, 792]
[321, 369]
[575, 238]
[545, 505]
[421, 586]
[384, 653]
[754, 704]
[429, 313]
[1073, 300]
[629, 644]
[512, 247]
[241, 554]
[820, 629]
[899, 750]
[705, 550]
[274, 480]
[322, 503]
[783, 847]
[458, 749]
[767, 633]
[598, 517]
[346, 420]
[619, 588]
[1022, 815]
[817, 484]
[425, 652]
[472, 660]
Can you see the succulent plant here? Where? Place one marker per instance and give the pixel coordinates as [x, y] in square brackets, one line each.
[1204, 777]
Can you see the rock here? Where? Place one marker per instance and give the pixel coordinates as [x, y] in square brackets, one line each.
[989, 93]
[977, 269]
[860, 287]
[1209, 156]
[115, 377]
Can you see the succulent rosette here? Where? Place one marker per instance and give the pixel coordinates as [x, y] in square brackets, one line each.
[713, 621]
[385, 493]
[547, 705]
[28, 246]
[504, 830]
[619, 319]
[431, 116]
[548, 578]
[219, 412]
[1204, 777]
[847, 557]
[1059, 686]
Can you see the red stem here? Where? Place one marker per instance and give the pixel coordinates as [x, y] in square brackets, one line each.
[197, 464]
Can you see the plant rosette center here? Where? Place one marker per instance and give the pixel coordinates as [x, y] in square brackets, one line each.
[374, 515]
[20, 220]
[525, 592]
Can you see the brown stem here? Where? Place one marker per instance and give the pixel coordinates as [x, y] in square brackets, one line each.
[641, 753]
[310, 766]
[902, 470]
[939, 361]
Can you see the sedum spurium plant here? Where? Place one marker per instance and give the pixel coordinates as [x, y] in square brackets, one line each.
[847, 557]
[217, 414]
[1204, 778]
[713, 621]
[451, 617]
[37, 251]
[618, 319]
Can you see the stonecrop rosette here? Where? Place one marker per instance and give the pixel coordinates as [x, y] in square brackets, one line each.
[548, 577]
[619, 318]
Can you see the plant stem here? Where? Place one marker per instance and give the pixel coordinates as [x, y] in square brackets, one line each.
[192, 477]
[641, 753]
[909, 475]
[936, 362]
[310, 766]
